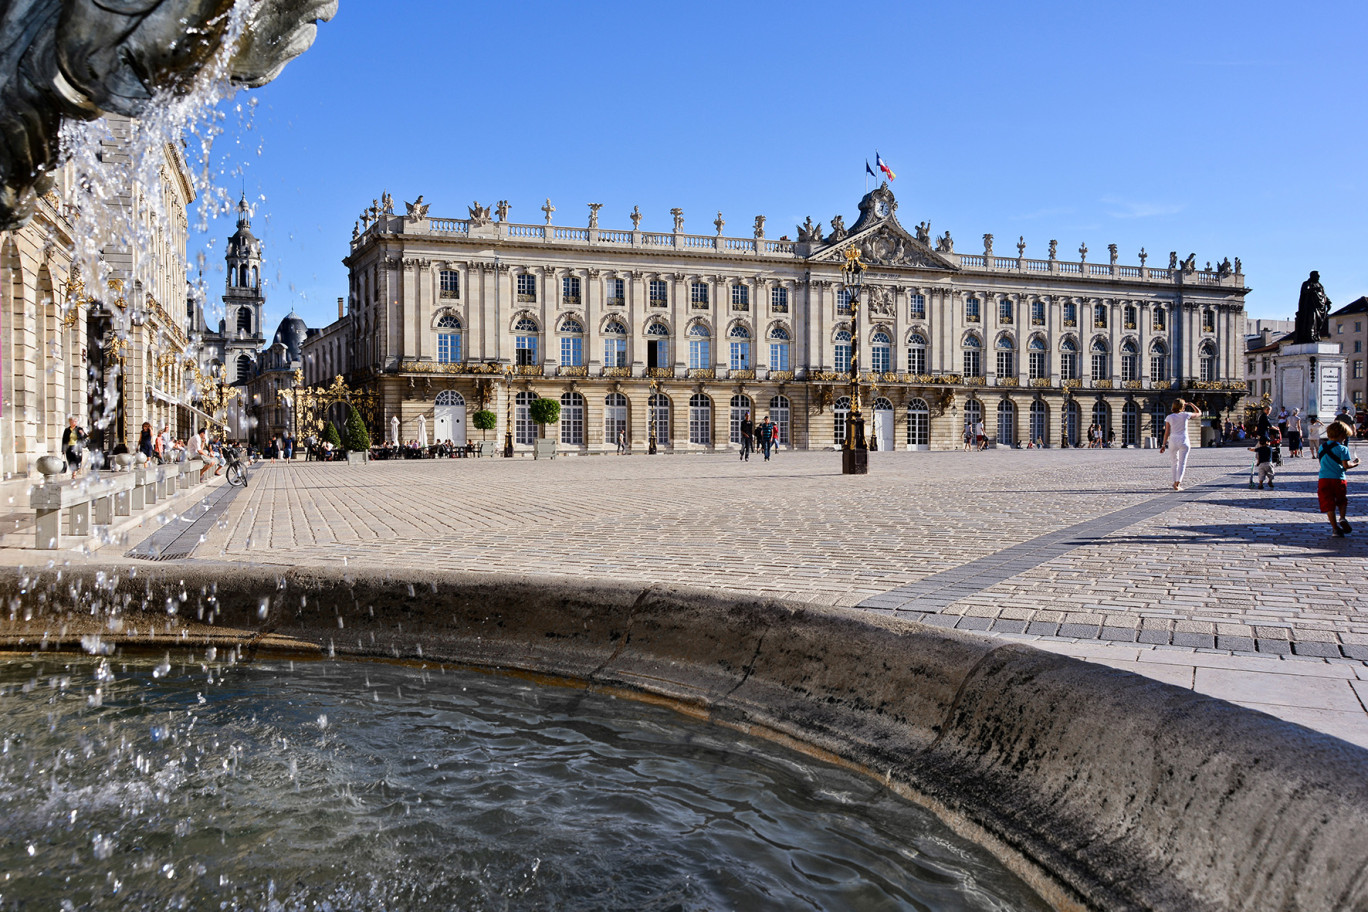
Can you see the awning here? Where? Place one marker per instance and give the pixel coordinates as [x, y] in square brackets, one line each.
[169, 400]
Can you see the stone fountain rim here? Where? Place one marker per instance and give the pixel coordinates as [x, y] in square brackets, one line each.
[1121, 800]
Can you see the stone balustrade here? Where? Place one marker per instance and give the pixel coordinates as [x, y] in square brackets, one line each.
[99, 499]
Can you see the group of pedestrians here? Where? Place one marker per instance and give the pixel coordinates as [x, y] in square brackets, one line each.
[763, 437]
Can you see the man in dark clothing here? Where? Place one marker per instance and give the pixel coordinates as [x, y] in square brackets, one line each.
[747, 436]
[1265, 427]
[73, 444]
[764, 432]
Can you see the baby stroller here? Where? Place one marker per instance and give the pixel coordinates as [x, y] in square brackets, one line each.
[1275, 456]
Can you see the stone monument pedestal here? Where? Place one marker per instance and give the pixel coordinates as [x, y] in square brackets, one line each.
[1310, 377]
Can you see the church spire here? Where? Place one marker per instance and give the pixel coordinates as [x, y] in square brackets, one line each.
[244, 219]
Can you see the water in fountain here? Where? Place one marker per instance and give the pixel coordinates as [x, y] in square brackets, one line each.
[193, 782]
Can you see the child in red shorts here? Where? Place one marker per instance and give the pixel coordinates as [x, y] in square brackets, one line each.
[1331, 489]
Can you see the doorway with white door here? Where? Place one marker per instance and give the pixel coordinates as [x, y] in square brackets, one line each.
[883, 425]
[449, 416]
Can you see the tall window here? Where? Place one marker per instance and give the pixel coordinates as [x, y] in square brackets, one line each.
[572, 419]
[1072, 419]
[1006, 429]
[660, 297]
[916, 354]
[740, 297]
[1158, 414]
[700, 347]
[1208, 319]
[1158, 361]
[1130, 424]
[1101, 416]
[1040, 423]
[1160, 319]
[1100, 316]
[973, 356]
[1039, 361]
[524, 430]
[843, 302]
[570, 290]
[843, 351]
[244, 367]
[1070, 313]
[779, 412]
[880, 353]
[700, 419]
[659, 407]
[1208, 361]
[657, 345]
[973, 413]
[840, 411]
[1101, 360]
[450, 283]
[1068, 360]
[1130, 361]
[244, 320]
[617, 295]
[779, 349]
[738, 356]
[448, 339]
[572, 343]
[1037, 313]
[614, 344]
[614, 417]
[525, 341]
[918, 423]
[1131, 316]
[1006, 357]
[916, 307]
[698, 295]
[779, 300]
[740, 408]
[527, 287]
[1005, 311]
[971, 310]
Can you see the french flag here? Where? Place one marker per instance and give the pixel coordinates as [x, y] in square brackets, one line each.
[883, 167]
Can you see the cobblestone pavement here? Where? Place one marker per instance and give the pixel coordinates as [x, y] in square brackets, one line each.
[1229, 590]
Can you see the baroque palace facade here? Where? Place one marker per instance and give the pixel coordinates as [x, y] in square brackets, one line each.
[672, 337]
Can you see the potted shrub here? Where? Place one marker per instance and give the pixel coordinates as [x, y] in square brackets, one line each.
[330, 435]
[358, 439]
[486, 421]
[543, 411]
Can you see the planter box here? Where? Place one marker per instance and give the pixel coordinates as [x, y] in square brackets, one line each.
[544, 449]
[357, 457]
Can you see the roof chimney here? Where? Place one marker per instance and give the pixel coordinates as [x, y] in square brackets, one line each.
[339, 309]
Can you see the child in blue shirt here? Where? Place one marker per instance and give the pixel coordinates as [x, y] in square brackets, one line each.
[1332, 489]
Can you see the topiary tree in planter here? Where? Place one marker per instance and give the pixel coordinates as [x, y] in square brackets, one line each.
[543, 412]
[331, 436]
[358, 438]
[486, 421]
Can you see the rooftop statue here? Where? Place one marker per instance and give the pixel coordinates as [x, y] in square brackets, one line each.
[1313, 312]
[81, 59]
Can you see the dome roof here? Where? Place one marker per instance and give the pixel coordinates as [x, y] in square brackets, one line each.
[291, 333]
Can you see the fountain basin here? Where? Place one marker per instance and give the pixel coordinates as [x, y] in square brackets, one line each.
[1102, 789]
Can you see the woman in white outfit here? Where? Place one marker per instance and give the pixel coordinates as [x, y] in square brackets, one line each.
[1176, 437]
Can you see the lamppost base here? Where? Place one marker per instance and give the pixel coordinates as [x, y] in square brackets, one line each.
[508, 446]
[855, 462]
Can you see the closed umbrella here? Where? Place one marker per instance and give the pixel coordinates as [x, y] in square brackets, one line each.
[422, 432]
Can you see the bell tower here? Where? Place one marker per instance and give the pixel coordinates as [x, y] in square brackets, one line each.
[243, 299]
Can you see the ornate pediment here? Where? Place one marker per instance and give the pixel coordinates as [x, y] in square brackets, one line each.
[881, 239]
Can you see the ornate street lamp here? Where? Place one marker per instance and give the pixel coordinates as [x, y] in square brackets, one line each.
[855, 452]
[508, 417]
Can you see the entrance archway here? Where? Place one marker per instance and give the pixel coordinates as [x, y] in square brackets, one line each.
[449, 418]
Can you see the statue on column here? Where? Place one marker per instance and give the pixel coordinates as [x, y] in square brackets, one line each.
[1313, 312]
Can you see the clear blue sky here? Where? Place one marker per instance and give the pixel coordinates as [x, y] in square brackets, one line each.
[1224, 129]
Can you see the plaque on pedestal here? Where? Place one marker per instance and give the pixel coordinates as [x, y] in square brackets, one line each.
[1311, 378]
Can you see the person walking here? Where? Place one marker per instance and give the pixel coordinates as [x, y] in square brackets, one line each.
[1264, 429]
[1176, 437]
[1263, 463]
[1315, 430]
[774, 438]
[168, 445]
[622, 443]
[145, 445]
[73, 444]
[747, 436]
[763, 433]
[1331, 486]
[1294, 433]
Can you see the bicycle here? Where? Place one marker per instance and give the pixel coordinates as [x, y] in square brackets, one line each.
[235, 472]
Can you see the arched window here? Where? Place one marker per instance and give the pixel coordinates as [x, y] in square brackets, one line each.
[779, 348]
[657, 345]
[572, 342]
[1158, 414]
[242, 275]
[659, 406]
[740, 408]
[1130, 424]
[1101, 416]
[700, 347]
[449, 339]
[1101, 360]
[1208, 362]
[1068, 360]
[973, 356]
[918, 424]
[1130, 361]
[244, 320]
[843, 351]
[700, 419]
[779, 413]
[1006, 429]
[1159, 362]
[840, 412]
[880, 353]
[525, 340]
[1006, 357]
[524, 430]
[256, 277]
[1040, 423]
[615, 344]
[450, 397]
[1039, 359]
[916, 354]
[1072, 418]
[739, 355]
[614, 417]
[572, 419]
[244, 368]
